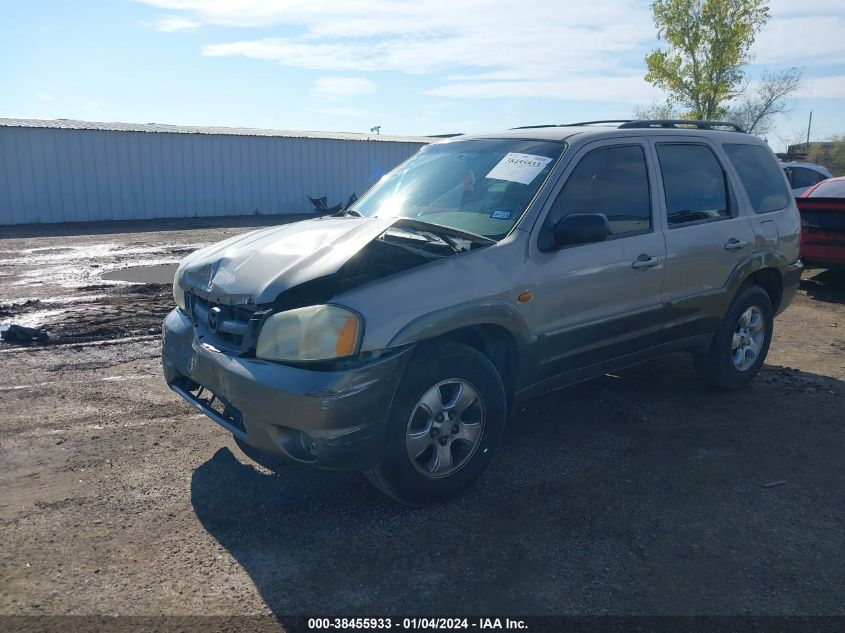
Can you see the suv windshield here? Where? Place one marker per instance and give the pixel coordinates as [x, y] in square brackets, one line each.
[476, 186]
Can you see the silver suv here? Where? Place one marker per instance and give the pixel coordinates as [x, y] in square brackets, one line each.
[397, 337]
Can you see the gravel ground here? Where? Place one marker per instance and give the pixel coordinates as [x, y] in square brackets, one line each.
[637, 493]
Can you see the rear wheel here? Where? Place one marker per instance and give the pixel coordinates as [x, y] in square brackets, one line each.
[446, 420]
[741, 343]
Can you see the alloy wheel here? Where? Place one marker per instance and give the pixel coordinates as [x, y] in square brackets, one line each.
[748, 338]
[445, 428]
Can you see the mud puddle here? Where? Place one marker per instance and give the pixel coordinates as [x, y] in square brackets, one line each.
[117, 290]
[121, 311]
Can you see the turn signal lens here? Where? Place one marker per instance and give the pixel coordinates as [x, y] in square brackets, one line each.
[347, 338]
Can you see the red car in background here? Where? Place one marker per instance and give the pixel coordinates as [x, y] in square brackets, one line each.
[822, 209]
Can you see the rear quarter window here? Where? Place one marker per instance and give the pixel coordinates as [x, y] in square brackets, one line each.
[760, 175]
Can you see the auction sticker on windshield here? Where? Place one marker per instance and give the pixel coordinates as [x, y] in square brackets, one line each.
[522, 168]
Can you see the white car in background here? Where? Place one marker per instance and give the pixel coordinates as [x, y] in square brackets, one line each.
[802, 176]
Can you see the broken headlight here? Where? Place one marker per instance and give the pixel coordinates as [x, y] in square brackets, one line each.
[178, 293]
[313, 333]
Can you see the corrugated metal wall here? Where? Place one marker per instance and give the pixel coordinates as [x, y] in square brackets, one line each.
[73, 175]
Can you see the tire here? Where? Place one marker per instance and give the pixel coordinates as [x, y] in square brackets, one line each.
[442, 378]
[738, 350]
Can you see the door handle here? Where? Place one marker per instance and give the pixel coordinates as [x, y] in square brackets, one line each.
[645, 261]
[734, 244]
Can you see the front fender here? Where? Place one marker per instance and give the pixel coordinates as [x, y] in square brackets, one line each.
[483, 312]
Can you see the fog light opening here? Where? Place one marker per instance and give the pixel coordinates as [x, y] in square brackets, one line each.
[296, 444]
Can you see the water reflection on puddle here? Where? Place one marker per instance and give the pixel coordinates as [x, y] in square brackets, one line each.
[158, 274]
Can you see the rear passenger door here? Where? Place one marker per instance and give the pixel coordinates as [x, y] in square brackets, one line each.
[706, 235]
[595, 302]
[770, 204]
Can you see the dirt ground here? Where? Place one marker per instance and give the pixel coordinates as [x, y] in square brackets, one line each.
[637, 493]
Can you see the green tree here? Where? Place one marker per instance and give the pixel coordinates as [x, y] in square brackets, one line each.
[753, 109]
[707, 44]
[659, 111]
[830, 154]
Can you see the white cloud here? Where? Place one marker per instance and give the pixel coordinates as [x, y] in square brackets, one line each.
[823, 88]
[44, 96]
[631, 88]
[171, 23]
[338, 88]
[487, 40]
[798, 41]
[495, 48]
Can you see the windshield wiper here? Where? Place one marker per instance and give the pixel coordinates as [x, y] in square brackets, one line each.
[351, 212]
[444, 232]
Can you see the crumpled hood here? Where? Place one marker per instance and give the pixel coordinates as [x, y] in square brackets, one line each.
[258, 266]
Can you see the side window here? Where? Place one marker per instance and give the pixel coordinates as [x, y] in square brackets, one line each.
[803, 177]
[612, 181]
[760, 175]
[693, 182]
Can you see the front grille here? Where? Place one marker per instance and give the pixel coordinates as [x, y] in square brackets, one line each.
[225, 325]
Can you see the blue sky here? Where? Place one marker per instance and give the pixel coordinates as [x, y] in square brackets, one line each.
[418, 67]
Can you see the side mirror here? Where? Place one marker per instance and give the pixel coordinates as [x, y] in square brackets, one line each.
[581, 228]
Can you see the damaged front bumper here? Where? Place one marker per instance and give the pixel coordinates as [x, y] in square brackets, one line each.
[333, 419]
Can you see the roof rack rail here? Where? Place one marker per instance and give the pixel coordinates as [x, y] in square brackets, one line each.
[623, 121]
[677, 124]
[681, 124]
[534, 127]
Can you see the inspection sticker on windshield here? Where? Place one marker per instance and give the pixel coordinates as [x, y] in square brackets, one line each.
[519, 167]
[501, 214]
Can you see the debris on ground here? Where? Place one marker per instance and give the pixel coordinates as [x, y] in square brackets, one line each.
[321, 204]
[21, 334]
[774, 484]
[13, 309]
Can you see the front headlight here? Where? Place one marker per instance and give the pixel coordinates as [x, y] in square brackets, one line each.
[178, 293]
[313, 333]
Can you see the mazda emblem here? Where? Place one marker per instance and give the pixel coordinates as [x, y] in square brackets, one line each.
[214, 319]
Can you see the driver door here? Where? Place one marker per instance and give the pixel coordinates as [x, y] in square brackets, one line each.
[601, 301]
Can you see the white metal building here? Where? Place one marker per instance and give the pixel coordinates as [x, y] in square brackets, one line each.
[78, 171]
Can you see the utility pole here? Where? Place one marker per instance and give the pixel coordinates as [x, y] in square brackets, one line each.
[809, 125]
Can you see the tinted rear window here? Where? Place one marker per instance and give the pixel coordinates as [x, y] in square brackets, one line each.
[830, 189]
[760, 175]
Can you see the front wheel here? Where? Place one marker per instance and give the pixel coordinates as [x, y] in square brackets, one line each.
[446, 421]
[741, 343]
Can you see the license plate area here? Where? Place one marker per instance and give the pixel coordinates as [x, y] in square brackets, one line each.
[214, 404]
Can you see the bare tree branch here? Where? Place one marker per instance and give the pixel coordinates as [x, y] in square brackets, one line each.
[756, 108]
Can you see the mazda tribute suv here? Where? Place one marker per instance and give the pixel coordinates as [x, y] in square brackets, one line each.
[396, 337]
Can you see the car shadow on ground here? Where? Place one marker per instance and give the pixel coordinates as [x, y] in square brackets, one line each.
[825, 285]
[642, 492]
